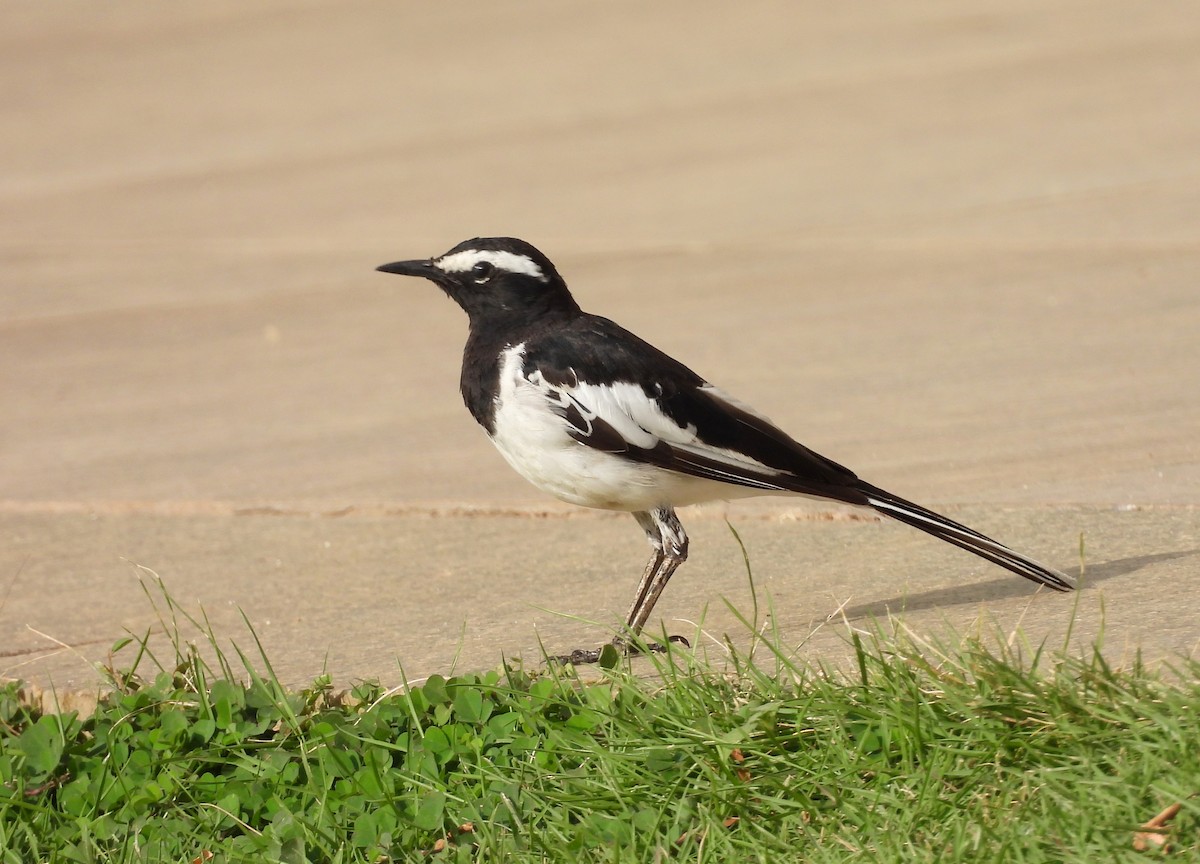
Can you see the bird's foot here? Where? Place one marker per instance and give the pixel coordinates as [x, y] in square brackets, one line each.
[608, 654]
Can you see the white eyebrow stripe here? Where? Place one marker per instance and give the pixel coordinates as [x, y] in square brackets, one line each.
[462, 262]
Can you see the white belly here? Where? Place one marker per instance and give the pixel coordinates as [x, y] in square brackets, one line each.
[535, 442]
[579, 474]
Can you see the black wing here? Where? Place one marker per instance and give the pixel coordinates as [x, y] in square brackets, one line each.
[622, 395]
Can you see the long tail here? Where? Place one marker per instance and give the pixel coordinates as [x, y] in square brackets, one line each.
[960, 535]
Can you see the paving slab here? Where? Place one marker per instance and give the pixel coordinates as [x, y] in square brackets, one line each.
[390, 595]
[957, 250]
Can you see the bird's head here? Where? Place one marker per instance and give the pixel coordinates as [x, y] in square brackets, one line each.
[494, 279]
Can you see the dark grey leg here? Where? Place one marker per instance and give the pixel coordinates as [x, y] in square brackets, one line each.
[654, 536]
[670, 544]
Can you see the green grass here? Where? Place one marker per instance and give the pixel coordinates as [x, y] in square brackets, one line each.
[951, 752]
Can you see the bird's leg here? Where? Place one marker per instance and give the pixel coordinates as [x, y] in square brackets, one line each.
[652, 567]
[638, 618]
[670, 544]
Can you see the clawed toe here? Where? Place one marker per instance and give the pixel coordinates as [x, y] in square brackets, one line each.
[578, 657]
[632, 649]
[620, 646]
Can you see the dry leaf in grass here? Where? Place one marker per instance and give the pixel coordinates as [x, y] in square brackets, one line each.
[738, 758]
[1154, 833]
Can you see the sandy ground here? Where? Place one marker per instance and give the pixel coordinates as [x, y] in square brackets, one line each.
[956, 250]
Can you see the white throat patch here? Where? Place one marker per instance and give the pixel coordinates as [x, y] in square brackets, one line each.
[462, 262]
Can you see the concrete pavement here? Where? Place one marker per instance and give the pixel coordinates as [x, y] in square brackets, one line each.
[955, 251]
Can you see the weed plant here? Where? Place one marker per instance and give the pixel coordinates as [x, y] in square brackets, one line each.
[960, 751]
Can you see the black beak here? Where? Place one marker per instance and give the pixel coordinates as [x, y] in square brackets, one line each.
[424, 269]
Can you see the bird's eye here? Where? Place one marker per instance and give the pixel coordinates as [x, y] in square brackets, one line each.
[482, 271]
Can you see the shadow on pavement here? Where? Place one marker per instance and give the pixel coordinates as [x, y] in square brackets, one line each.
[1003, 588]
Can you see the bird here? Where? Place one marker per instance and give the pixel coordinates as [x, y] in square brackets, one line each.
[596, 416]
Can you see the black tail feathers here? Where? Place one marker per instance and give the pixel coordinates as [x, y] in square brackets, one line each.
[960, 535]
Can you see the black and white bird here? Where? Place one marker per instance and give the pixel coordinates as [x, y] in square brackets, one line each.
[589, 412]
